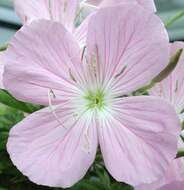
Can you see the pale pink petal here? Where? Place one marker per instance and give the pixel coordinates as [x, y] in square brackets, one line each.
[1, 71]
[106, 3]
[70, 11]
[176, 185]
[54, 152]
[42, 57]
[175, 172]
[130, 44]
[81, 31]
[138, 139]
[172, 88]
[147, 4]
[31, 9]
[63, 11]
[93, 2]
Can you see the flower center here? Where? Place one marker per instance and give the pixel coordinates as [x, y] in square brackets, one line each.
[95, 100]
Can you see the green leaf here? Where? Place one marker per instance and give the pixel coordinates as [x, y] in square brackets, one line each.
[9, 100]
[172, 20]
[182, 125]
[170, 67]
[104, 178]
[120, 186]
[1, 188]
[86, 185]
[10, 118]
[163, 74]
[180, 153]
[3, 47]
[3, 140]
[107, 179]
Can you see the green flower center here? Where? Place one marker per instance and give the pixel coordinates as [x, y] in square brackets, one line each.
[95, 100]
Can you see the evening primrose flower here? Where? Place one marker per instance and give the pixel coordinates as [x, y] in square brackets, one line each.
[147, 4]
[87, 99]
[1, 71]
[173, 179]
[176, 185]
[66, 12]
[172, 90]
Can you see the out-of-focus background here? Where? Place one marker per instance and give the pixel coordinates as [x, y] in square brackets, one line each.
[9, 22]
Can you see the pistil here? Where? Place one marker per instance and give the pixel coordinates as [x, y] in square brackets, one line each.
[95, 100]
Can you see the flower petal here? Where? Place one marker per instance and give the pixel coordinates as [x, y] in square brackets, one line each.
[31, 10]
[148, 4]
[175, 172]
[93, 2]
[58, 10]
[54, 152]
[69, 13]
[138, 139]
[38, 61]
[82, 30]
[128, 57]
[176, 185]
[1, 71]
[172, 88]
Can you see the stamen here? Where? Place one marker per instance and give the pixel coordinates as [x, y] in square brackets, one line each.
[25, 18]
[160, 89]
[50, 9]
[87, 145]
[71, 75]
[121, 72]
[83, 52]
[65, 5]
[121, 96]
[51, 93]
[93, 65]
[176, 89]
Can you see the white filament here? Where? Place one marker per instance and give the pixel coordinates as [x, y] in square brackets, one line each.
[51, 93]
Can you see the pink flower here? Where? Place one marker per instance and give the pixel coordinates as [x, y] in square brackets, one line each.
[176, 185]
[65, 12]
[87, 99]
[1, 71]
[148, 4]
[172, 90]
[173, 175]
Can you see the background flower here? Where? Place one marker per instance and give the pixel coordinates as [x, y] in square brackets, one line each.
[148, 4]
[66, 12]
[172, 90]
[1, 70]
